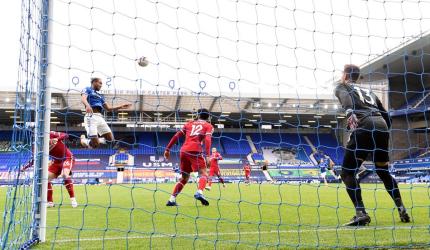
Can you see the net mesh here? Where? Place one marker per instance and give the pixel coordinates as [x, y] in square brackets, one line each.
[265, 70]
[18, 218]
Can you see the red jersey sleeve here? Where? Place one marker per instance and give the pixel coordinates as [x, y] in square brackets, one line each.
[219, 156]
[58, 135]
[209, 129]
[176, 137]
[184, 128]
[174, 140]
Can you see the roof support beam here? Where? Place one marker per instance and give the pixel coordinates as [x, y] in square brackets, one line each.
[178, 102]
[213, 103]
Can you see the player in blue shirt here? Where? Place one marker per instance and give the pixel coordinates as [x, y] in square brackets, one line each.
[177, 171]
[95, 124]
[326, 164]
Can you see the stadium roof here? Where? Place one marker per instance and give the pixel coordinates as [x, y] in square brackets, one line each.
[175, 109]
[412, 56]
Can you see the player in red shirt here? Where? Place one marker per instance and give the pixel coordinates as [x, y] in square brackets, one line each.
[61, 164]
[214, 169]
[247, 170]
[192, 158]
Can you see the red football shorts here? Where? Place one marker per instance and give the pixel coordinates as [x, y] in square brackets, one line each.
[192, 161]
[247, 175]
[56, 167]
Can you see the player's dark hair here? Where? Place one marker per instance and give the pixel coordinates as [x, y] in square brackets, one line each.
[352, 72]
[94, 79]
[203, 114]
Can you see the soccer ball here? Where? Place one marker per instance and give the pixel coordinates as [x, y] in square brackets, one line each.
[142, 62]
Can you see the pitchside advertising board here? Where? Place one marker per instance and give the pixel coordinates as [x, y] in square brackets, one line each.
[139, 168]
[153, 168]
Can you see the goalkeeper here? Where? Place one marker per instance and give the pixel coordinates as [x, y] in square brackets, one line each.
[369, 124]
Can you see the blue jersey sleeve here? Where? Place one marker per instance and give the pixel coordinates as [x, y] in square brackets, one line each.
[94, 98]
[86, 91]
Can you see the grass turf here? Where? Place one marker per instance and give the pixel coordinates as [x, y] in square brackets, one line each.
[239, 217]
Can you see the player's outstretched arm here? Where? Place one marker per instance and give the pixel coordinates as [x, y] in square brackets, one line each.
[109, 108]
[172, 142]
[28, 165]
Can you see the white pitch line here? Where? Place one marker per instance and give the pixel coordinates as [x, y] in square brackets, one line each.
[243, 233]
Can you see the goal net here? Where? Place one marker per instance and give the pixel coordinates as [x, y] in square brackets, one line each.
[266, 72]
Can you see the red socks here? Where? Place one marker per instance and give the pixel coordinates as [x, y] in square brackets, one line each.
[202, 182]
[68, 183]
[178, 187]
[221, 180]
[49, 191]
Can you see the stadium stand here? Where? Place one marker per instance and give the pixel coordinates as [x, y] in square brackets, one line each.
[329, 145]
[235, 143]
[150, 143]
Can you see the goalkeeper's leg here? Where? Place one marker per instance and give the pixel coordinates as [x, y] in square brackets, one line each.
[392, 188]
[381, 159]
[349, 169]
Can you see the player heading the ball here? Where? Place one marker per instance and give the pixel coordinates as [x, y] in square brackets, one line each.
[95, 123]
[192, 156]
[369, 124]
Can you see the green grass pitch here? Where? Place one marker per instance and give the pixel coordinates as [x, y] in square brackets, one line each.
[264, 216]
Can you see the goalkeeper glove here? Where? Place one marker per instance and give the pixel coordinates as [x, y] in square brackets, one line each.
[352, 122]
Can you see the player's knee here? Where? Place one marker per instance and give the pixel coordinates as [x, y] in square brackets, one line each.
[202, 172]
[345, 174]
[108, 137]
[383, 173]
[94, 143]
[184, 180]
[65, 176]
[185, 176]
[51, 176]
